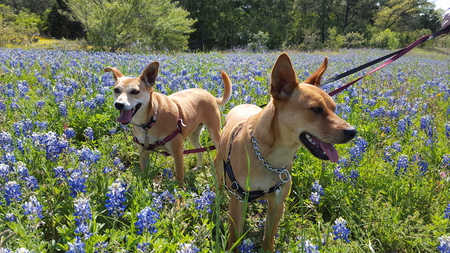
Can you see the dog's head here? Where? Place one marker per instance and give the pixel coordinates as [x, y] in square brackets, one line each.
[133, 93]
[307, 111]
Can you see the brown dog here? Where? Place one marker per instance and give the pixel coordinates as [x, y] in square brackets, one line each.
[258, 145]
[162, 122]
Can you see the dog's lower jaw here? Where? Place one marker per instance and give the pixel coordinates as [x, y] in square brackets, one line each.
[320, 149]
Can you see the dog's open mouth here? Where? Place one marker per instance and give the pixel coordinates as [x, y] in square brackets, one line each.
[318, 148]
[126, 115]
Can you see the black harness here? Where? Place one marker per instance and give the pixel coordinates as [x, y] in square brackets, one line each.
[241, 194]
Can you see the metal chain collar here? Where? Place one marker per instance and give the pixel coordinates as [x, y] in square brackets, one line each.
[283, 173]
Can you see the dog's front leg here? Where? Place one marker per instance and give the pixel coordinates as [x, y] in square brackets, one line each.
[274, 212]
[144, 158]
[235, 221]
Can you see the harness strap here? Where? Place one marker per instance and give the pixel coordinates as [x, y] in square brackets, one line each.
[242, 194]
[163, 141]
[236, 189]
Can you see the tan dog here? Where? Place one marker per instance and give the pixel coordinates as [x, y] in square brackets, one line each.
[162, 122]
[259, 145]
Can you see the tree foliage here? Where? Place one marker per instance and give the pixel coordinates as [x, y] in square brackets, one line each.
[116, 24]
[17, 28]
[227, 24]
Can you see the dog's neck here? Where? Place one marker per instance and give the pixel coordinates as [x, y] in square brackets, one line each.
[278, 148]
[150, 113]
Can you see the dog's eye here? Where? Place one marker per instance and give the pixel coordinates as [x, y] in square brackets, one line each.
[135, 92]
[317, 110]
[116, 90]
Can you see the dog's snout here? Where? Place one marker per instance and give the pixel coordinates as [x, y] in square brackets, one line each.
[350, 133]
[119, 106]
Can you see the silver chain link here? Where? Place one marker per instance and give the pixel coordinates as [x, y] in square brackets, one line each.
[283, 173]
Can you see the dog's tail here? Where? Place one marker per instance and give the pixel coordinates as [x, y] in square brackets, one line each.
[227, 93]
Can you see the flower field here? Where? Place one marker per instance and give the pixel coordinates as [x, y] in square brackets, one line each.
[70, 178]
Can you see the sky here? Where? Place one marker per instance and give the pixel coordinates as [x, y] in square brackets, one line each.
[443, 4]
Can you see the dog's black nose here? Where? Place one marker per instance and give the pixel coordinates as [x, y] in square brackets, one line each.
[350, 133]
[119, 106]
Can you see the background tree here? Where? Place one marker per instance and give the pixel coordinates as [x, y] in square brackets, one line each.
[59, 24]
[116, 24]
[17, 28]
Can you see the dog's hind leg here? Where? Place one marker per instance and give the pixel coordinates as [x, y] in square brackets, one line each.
[194, 138]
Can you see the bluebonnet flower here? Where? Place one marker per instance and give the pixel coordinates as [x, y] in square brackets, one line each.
[445, 163]
[447, 130]
[160, 200]
[10, 217]
[22, 250]
[118, 163]
[60, 173]
[307, 246]
[87, 156]
[40, 104]
[340, 230]
[89, 133]
[386, 129]
[338, 175]
[317, 188]
[77, 247]
[426, 124]
[12, 192]
[317, 192]
[247, 246]
[6, 142]
[69, 133]
[2, 106]
[401, 126]
[100, 247]
[107, 169]
[447, 212]
[205, 200]
[42, 125]
[444, 244]
[315, 198]
[187, 248]
[147, 219]
[63, 110]
[53, 145]
[167, 173]
[143, 247]
[354, 175]
[33, 209]
[402, 165]
[423, 167]
[9, 158]
[82, 215]
[357, 151]
[4, 171]
[116, 198]
[77, 182]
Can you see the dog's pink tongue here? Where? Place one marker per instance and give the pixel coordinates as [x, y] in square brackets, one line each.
[330, 151]
[125, 116]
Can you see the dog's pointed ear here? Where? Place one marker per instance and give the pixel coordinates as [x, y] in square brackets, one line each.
[150, 73]
[315, 78]
[116, 73]
[283, 78]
